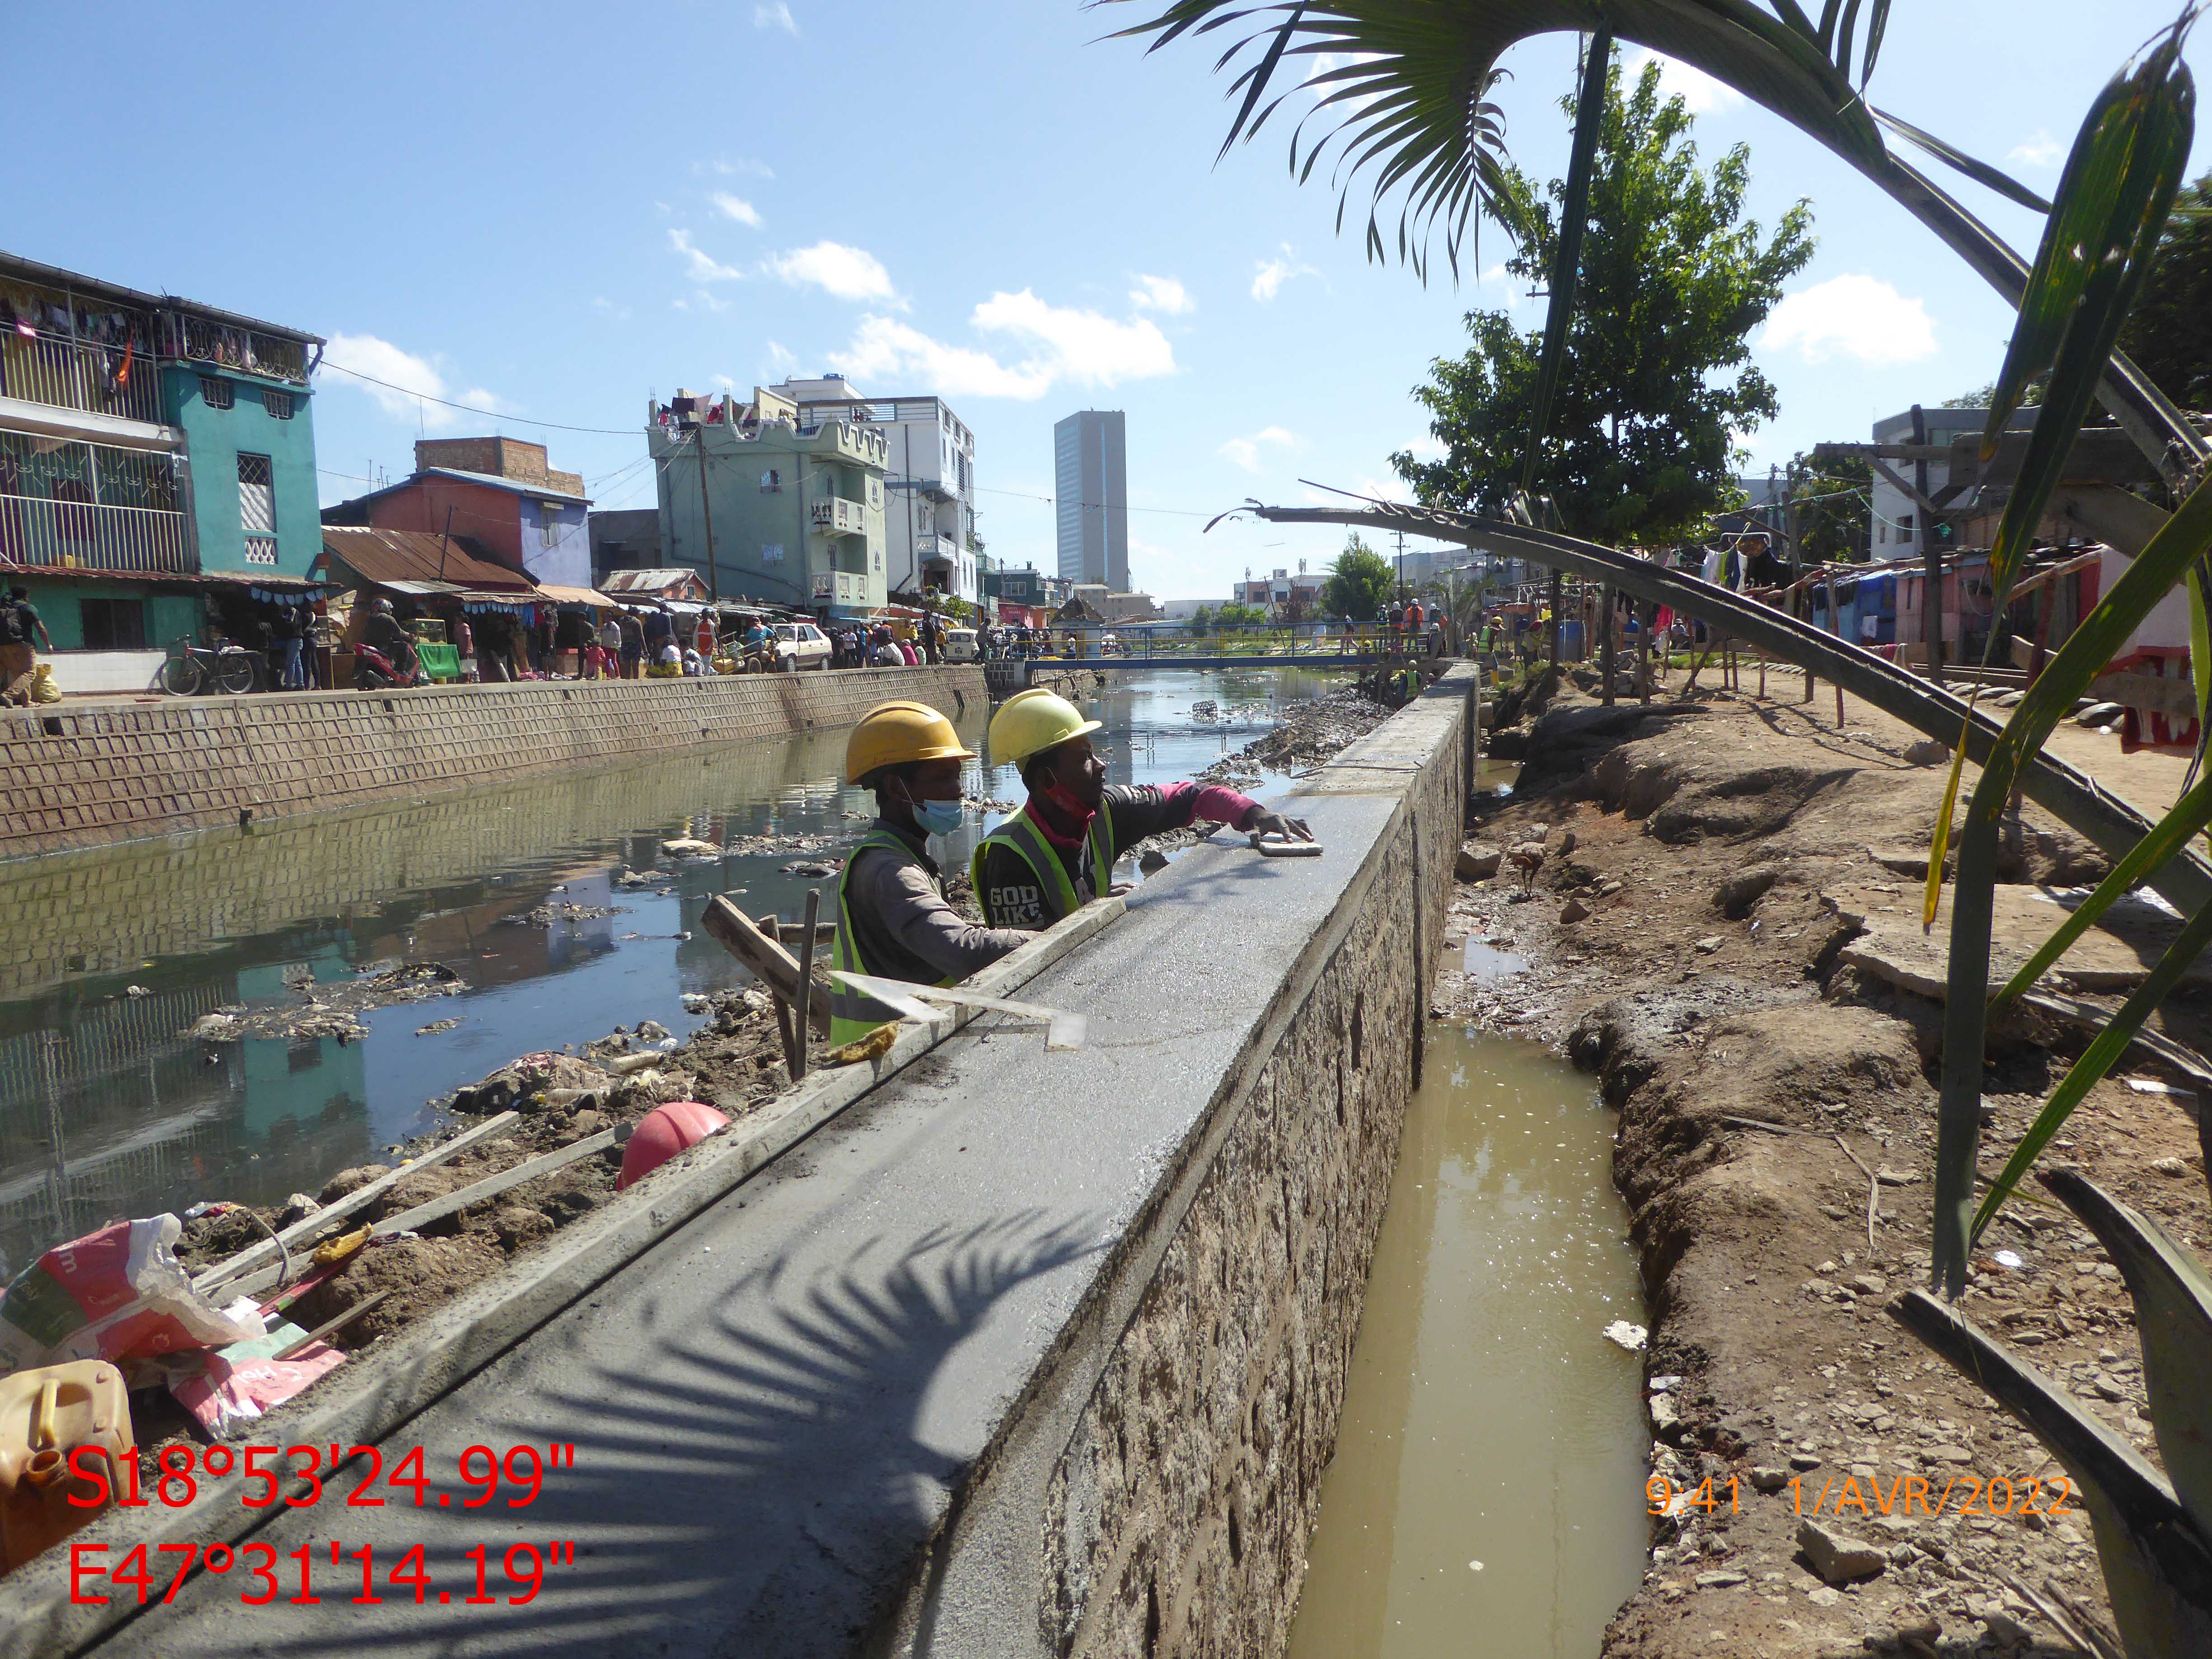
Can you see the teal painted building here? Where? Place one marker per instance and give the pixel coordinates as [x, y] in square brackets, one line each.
[157, 470]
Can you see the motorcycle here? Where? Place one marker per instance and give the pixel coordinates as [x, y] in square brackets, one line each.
[372, 671]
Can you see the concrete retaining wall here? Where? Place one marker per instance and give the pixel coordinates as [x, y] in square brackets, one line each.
[1024, 1351]
[77, 775]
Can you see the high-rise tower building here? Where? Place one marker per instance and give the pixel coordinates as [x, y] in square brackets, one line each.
[1092, 494]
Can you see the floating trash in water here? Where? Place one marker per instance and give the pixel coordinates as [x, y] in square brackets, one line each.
[1474, 1567]
[1631, 1337]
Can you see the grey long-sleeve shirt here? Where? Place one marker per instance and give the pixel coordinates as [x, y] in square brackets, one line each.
[902, 926]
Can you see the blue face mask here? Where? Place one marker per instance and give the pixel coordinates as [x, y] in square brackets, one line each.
[937, 818]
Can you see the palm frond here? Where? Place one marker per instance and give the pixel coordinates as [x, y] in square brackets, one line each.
[1959, 162]
[1404, 104]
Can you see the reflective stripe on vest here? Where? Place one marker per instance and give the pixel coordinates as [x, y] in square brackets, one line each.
[1056, 888]
[853, 1015]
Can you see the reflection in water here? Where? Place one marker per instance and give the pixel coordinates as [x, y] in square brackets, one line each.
[1486, 1420]
[106, 1110]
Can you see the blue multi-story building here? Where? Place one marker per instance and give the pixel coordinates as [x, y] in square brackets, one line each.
[157, 469]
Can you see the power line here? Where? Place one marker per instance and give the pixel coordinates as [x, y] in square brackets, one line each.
[469, 409]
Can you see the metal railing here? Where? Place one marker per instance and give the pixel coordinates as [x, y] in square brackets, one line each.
[66, 374]
[199, 340]
[36, 531]
[835, 516]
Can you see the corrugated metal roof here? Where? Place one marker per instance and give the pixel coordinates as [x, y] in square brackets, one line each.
[561, 595]
[415, 556]
[645, 581]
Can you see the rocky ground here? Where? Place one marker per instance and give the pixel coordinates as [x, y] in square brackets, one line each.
[1696, 932]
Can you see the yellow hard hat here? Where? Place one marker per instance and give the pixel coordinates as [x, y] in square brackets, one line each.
[1033, 720]
[893, 734]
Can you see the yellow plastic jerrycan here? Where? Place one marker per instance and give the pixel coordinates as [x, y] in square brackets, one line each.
[46, 1416]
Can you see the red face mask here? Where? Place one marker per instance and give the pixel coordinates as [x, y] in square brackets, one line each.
[1066, 803]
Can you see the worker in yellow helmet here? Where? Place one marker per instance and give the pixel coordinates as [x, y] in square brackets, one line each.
[1057, 854]
[892, 919]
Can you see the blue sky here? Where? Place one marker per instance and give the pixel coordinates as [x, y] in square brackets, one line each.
[557, 210]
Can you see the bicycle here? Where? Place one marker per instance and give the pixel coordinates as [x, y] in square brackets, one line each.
[198, 669]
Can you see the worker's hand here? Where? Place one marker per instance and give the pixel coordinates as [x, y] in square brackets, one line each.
[1268, 822]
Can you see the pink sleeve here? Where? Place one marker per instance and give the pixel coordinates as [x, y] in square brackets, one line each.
[1220, 805]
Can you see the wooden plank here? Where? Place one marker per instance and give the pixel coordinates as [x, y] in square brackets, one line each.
[2173, 697]
[772, 964]
[254, 1255]
[492, 1186]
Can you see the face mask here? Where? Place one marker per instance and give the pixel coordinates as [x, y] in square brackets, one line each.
[1065, 800]
[936, 817]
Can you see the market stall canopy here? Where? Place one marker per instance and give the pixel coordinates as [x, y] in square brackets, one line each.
[387, 556]
[589, 597]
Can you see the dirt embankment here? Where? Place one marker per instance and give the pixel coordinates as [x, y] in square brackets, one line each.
[1727, 890]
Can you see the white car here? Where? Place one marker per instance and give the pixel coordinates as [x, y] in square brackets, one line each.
[798, 645]
[959, 644]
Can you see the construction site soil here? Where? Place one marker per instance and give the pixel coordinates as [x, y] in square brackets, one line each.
[1703, 929]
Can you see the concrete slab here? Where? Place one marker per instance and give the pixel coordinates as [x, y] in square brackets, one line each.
[2116, 954]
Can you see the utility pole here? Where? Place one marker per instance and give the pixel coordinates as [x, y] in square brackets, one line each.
[444, 537]
[1402, 566]
[707, 512]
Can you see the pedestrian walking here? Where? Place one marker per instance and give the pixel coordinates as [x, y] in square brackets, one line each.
[20, 628]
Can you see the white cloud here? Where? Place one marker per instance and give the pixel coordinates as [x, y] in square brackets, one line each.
[1269, 274]
[1081, 345]
[407, 379]
[1851, 316]
[2041, 151]
[777, 14]
[1058, 343]
[1245, 452]
[731, 167]
[1163, 295]
[1703, 94]
[848, 273]
[782, 359]
[698, 267]
[735, 207]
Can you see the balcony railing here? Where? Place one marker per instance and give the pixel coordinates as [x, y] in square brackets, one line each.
[198, 340]
[78, 535]
[100, 380]
[841, 588]
[833, 515]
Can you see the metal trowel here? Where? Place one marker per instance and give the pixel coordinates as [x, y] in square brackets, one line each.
[1284, 846]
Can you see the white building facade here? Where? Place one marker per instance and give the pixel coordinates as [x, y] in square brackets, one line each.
[1091, 469]
[929, 476]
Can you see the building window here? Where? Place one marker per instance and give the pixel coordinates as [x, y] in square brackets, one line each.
[1904, 528]
[278, 404]
[257, 496]
[215, 393]
[771, 483]
[772, 553]
[548, 521]
[113, 624]
[875, 498]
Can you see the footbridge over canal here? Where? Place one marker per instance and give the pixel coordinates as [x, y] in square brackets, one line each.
[979, 1348]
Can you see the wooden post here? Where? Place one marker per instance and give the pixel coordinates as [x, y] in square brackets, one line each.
[1559, 603]
[807, 977]
[769, 962]
[1605, 645]
[1643, 654]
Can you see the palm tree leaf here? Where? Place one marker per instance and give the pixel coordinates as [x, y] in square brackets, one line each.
[1940, 842]
[2111, 206]
[2200, 659]
[2178, 544]
[1418, 75]
[2103, 1052]
[1980, 172]
[1877, 22]
[2166, 837]
[1566, 262]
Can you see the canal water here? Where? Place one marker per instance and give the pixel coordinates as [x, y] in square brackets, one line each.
[1486, 1495]
[106, 1110]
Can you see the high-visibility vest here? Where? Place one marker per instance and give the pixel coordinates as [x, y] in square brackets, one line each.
[853, 1014]
[1020, 832]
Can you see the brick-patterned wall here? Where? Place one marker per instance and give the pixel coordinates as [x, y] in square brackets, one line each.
[93, 777]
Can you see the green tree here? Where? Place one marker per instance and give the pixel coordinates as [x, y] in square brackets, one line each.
[1360, 582]
[1239, 616]
[1835, 507]
[1657, 379]
[1201, 620]
[2169, 331]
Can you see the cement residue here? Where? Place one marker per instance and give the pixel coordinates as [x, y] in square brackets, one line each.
[1684, 944]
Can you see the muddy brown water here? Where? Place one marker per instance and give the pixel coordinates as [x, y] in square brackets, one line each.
[107, 1109]
[1486, 1495]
